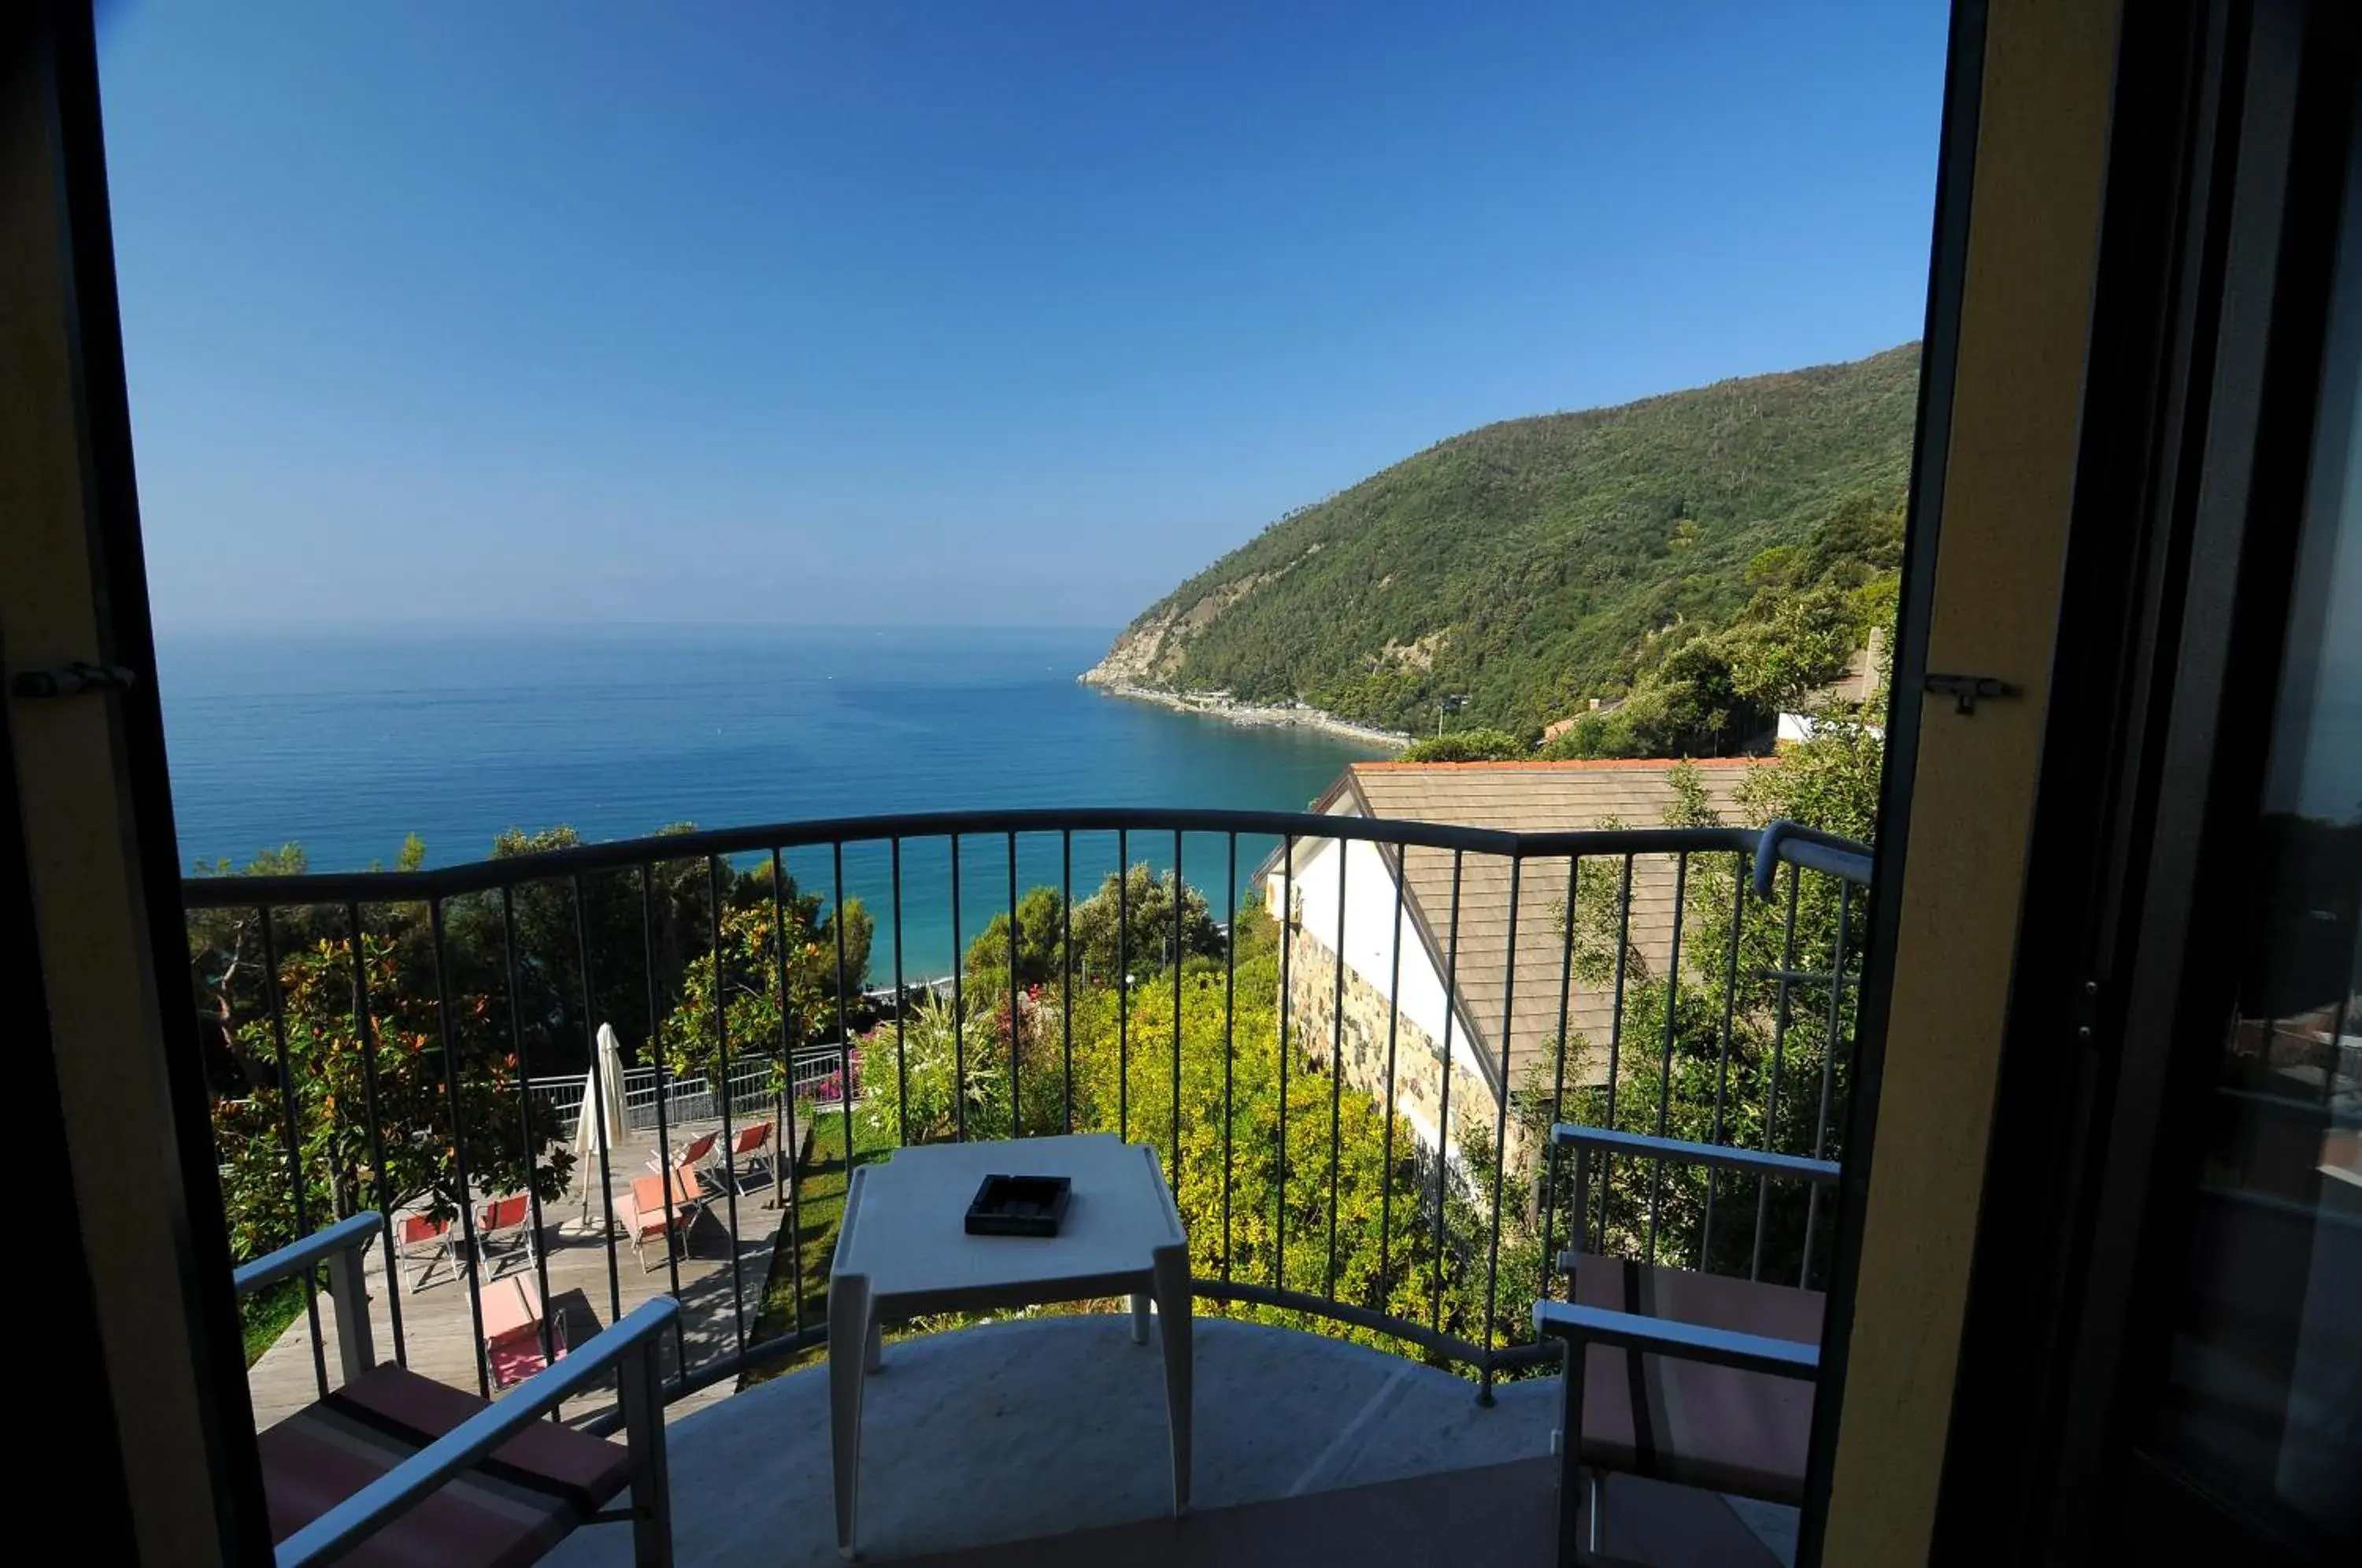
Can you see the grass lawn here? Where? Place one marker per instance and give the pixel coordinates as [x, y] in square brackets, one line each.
[266, 1313]
[820, 1179]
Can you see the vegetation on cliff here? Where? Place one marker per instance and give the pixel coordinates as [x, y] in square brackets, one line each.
[1701, 554]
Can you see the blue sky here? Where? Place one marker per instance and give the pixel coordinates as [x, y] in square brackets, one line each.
[954, 313]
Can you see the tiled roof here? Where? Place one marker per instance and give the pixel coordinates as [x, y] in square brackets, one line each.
[1538, 797]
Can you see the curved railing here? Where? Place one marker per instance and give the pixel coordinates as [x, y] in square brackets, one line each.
[466, 990]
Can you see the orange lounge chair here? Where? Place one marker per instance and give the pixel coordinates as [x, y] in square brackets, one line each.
[644, 1216]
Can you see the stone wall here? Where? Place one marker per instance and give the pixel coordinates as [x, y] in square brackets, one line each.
[1419, 1057]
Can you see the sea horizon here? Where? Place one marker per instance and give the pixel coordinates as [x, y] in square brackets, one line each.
[347, 740]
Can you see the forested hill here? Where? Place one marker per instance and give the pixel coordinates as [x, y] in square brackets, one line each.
[1538, 562]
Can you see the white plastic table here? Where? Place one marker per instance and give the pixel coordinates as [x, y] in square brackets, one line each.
[902, 1250]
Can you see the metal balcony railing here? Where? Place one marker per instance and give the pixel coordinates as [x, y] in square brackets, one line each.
[1363, 1161]
[558, 1099]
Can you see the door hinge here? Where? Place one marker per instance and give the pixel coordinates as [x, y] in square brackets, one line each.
[2085, 1011]
[72, 679]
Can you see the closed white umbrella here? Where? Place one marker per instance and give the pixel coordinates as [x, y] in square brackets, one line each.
[601, 1122]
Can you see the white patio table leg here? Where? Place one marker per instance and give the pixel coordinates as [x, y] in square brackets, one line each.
[849, 1329]
[1171, 1283]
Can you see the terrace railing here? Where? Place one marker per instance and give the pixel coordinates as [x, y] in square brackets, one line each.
[754, 1089]
[1716, 966]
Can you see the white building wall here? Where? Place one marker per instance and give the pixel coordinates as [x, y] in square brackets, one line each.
[1370, 938]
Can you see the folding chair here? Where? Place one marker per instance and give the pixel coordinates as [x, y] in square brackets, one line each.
[753, 1145]
[505, 1225]
[426, 1242]
[693, 1155]
[1697, 1379]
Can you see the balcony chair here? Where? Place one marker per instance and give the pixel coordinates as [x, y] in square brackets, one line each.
[392, 1469]
[1692, 1378]
[505, 1225]
[426, 1242]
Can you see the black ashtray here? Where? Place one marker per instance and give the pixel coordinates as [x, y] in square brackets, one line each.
[1019, 1206]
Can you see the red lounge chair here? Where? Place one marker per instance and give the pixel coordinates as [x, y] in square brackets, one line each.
[750, 1145]
[1693, 1378]
[392, 1470]
[505, 1225]
[426, 1242]
[694, 1156]
[643, 1215]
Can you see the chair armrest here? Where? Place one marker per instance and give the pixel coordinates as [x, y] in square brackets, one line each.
[1640, 1145]
[377, 1504]
[303, 1256]
[1582, 1326]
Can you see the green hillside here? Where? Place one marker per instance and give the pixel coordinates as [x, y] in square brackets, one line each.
[1538, 562]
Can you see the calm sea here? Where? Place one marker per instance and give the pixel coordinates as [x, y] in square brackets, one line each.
[344, 743]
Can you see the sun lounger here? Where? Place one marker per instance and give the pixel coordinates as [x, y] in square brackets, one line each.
[514, 1324]
[753, 1145]
[505, 1225]
[427, 1242]
[642, 1214]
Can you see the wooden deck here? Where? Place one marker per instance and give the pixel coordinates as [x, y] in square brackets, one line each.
[438, 1336]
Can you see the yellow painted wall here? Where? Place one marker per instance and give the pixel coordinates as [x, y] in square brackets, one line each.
[2026, 312]
[91, 920]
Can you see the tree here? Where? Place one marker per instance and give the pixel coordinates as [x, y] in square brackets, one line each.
[372, 1108]
[511, 964]
[1689, 706]
[636, 927]
[948, 1073]
[1798, 642]
[771, 981]
[1830, 780]
[1131, 930]
[227, 974]
[1468, 745]
[1040, 940]
[810, 908]
[1862, 540]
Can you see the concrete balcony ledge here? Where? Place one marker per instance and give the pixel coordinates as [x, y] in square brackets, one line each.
[1045, 1427]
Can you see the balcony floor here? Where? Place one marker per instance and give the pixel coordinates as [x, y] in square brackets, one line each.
[1043, 1427]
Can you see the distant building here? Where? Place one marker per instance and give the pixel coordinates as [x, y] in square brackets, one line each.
[1530, 797]
[1858, 685]
[1558, 727]
[1860, 681]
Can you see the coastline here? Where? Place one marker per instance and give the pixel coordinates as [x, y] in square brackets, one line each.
[1251, 715]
